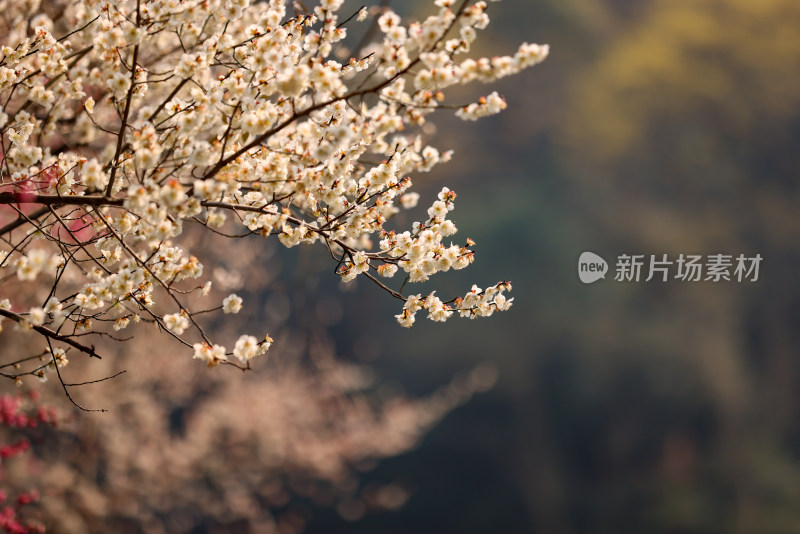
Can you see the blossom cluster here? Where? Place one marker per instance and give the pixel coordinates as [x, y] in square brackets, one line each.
[476, 303]
[124, 123]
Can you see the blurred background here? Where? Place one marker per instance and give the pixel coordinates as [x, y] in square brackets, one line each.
[654, 127]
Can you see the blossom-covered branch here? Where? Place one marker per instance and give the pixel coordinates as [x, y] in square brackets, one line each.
[147, 115]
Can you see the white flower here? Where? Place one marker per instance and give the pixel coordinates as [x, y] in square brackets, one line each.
[133, 34]
[409, 200]
[38, 259]
[211, 355]
[53, 305]
[172, 194]
[232, 303]
[206, 289]
[502, 303]
[60, 357]
[414, 303]
[405, 318]
[388, 20]
[25, 270]
[246, 348]
[440, 314]
[37, 316]
[488, 105]
[387, 270]
[437, 210]
[293, 80]
[265, 345]
[176, 323]
[20, 137]
[119, 82]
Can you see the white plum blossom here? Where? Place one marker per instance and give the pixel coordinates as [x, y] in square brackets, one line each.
[127, 124]
[119, 82]
[36, 316]
[232, 303]
[212, 355]
[486, 105]
[176, 323]
[246, 348]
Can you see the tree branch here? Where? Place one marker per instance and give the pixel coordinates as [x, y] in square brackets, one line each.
[52, 334]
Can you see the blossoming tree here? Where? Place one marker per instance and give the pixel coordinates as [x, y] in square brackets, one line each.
[125, 123]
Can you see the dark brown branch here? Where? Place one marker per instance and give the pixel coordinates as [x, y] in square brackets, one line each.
[51, 334]
[95, 381]
[385, 287]
[166, 100]
[63, 385]
[7, 197]
[124, 125]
